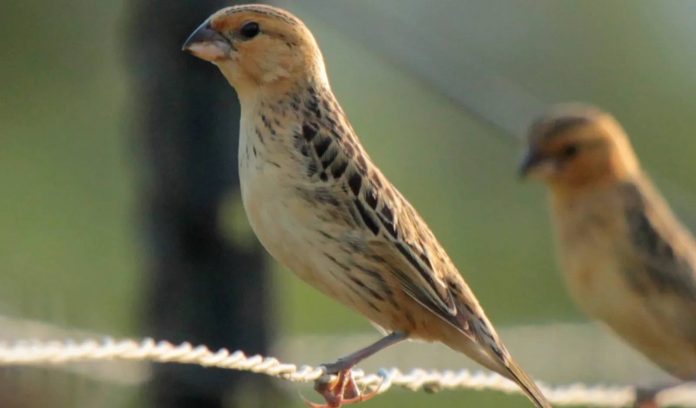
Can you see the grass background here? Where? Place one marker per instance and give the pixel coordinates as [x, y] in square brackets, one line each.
[71, 252]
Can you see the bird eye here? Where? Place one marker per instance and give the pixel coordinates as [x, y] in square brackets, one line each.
[250, 30]
[570, 151]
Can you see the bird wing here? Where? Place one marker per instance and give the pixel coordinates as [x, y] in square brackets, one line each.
[666, 253]
[335, 157]
[405, 240]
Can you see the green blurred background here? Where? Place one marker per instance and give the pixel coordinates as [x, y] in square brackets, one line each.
[71, 250]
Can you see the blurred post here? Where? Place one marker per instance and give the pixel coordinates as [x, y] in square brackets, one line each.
[199, 286]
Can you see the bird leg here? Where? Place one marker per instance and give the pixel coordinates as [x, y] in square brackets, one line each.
[343, 390]
[646, 398]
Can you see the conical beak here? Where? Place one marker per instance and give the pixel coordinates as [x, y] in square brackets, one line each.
[208, 44]
[530, 160]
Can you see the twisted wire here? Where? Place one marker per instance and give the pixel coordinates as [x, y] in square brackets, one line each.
[23, 353]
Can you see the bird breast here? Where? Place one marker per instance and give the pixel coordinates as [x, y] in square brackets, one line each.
[282, 208]
[587, 231]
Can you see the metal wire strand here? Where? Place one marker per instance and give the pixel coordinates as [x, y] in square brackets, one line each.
[29, 352]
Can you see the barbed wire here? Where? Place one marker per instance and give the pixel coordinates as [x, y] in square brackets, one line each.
[37, 353]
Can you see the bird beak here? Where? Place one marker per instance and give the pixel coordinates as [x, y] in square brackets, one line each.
[536, 164]
[208, 44]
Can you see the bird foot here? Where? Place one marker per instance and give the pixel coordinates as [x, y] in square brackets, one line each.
[647, 398]
[339, 392]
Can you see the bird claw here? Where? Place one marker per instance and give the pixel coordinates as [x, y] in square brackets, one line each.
[342, 391]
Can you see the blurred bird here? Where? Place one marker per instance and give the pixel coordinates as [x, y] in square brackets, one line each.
[627, 260]
[322, 208]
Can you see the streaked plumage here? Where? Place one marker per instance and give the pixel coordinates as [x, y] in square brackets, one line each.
[322, 208]
[627, 260]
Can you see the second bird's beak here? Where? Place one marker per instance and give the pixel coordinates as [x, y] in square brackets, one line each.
[207, 43]
[533, 163]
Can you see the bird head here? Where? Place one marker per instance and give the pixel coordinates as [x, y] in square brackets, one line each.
[577, 145]
[258, 46]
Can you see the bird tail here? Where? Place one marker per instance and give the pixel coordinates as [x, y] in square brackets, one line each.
[517, 374]
[496, 358]
[476, 338]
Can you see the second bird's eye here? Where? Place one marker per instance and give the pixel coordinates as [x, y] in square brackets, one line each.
[250, 30]
[570, 151]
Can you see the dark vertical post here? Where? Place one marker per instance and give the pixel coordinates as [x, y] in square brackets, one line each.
[199, 286]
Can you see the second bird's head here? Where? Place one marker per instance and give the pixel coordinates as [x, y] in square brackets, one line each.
[258, 46]
[575, 146]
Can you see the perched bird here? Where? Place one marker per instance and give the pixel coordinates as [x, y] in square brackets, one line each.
[321, 207]
[627, 260]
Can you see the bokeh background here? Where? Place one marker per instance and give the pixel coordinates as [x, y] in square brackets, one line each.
[439, 92]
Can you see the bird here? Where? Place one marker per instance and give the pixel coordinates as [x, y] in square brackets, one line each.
[626, 259]
[323, 209]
